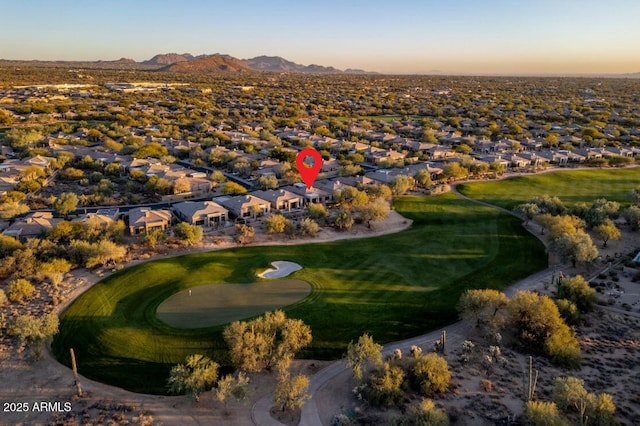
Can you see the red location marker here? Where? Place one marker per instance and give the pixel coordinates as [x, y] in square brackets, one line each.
[309, 172]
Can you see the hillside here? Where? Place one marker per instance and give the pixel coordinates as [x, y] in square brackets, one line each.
[213, 63]
[169, 59]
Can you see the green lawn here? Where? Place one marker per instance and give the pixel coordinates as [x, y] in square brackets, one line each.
[209, 305]
[570, 186]
[393, 287]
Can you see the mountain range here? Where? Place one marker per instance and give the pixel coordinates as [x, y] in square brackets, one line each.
[186, 62]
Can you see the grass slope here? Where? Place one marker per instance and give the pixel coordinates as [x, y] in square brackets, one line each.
[393, 287]
[570, 186]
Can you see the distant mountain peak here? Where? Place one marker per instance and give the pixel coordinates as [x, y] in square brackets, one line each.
[169, 59]
[211, 63]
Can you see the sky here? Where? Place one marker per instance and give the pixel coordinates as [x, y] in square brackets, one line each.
[514, 37]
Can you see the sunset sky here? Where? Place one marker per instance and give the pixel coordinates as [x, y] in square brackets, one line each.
[403, 36]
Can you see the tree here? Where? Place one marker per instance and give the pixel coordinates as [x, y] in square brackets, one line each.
[600, 211]
[344, 219]
[3, 299]
[606, 231]
[454, 171]
[375, 211]
[423, 178]
[576, 247]
[19, 289]
[635, 195]
[8, 245]
[181, 186]
[309, 227]
[152, 238]
[267, 182]
[485, 307]
[21, 137]
[153, 149]
[12, 209]
[236, 387]
[275, 224]
[291, 392]
[55, 270]
[632, 216]
[386, 385]
[188, 234]
[105, 252]
[317, 211]
[232, 188]
[34, 331]
[577, 290]
[401, 184]
[548, 204]
[540, 328]
[65, 203]
[432, 374]
[198, 374]
[269, 340]
[528, 211]
[362, 353]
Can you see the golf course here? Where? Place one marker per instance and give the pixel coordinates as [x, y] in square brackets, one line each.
[392, 287]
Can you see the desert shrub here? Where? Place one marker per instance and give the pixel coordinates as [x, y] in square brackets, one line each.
[600, 409]
[539, 328]
[431, 373]
[19, 289]
[569, 312]
[486, 385]
[569, 393]
[3, 298]
[563, 348]
[387, 386]
[577, 290]
[425, 414]
[544, 414]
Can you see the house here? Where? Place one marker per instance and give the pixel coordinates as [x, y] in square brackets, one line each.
[201, 213]
[311, 195]
[102, 218]
[32, 226]
[243, 206]
[143, 219]
[280, 199]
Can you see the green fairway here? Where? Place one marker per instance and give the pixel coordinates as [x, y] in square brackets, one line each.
[570, 186]
[393, 287]
[210, 305]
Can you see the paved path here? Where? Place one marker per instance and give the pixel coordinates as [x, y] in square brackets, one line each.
[310, 416]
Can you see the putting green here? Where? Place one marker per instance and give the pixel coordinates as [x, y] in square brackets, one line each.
[209, 305]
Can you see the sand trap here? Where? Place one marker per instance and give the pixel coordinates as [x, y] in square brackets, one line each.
[280, 269]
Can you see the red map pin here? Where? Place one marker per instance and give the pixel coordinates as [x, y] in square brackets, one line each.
[309, 172]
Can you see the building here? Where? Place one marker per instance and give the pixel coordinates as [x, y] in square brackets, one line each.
[34, 225]
[201, 213]
[143, 219]
[245, 206]
[280, 199]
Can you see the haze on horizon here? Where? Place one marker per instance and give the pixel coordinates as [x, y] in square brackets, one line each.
[402, 37]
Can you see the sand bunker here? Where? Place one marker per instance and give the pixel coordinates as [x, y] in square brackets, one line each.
[280, 269]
